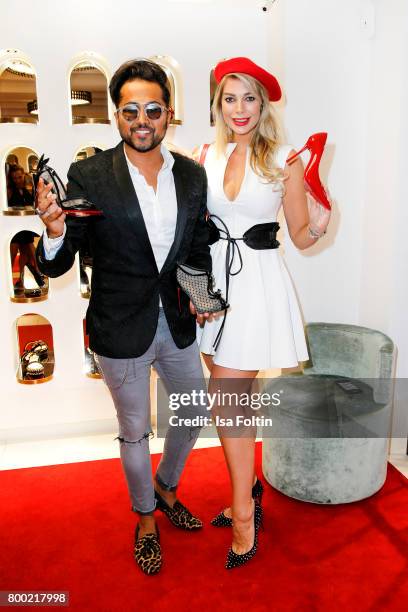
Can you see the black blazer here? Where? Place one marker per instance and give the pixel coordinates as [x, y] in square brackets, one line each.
[123, 309]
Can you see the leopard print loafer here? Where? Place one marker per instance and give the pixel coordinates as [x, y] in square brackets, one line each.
[179, 515]
[148, 552]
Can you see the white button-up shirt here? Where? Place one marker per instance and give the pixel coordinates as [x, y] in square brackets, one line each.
[159, 210]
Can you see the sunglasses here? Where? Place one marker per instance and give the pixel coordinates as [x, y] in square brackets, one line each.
[153, 110]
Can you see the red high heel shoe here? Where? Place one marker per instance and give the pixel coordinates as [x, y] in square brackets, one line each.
[315, 144]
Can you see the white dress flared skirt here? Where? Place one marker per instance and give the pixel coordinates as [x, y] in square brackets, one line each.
[263, 327]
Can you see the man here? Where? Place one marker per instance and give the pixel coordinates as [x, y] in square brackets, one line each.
[153, 205]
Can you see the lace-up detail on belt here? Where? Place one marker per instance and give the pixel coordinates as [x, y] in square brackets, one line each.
[258, 237]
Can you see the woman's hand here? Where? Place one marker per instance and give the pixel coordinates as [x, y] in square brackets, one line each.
[306, 218]
[319, 217]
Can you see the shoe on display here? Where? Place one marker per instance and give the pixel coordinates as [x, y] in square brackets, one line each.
[34, 356]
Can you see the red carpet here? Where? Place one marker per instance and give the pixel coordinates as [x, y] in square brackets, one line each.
[69, 527]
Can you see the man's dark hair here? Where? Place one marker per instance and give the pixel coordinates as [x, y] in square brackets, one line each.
[138, 69]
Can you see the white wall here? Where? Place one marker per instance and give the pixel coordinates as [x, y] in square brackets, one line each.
[384, 279]
[345, 72]
[326, 57]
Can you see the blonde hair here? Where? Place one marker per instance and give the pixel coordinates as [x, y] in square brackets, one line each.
[266, 137]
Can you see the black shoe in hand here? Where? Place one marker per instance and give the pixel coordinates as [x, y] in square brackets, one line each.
[225, 521]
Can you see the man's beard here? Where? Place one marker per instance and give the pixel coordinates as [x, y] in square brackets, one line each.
[143, 147]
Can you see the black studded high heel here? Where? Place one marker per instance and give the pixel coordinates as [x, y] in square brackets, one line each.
[233, 558]
[258, 491]
[225, 521]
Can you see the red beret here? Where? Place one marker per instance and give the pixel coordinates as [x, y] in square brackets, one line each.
[247, 66]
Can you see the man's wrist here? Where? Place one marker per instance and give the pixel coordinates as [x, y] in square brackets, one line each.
[52, 235]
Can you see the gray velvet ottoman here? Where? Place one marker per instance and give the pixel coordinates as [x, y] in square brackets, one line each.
[328, 443]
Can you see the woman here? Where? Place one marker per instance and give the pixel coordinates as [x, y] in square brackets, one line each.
[248, 181]
[17, 193]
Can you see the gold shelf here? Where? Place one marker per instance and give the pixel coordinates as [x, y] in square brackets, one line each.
[18, 120]
[28, 300]
[80, 120]
[34, 381]
[18, 213]
[90, 375]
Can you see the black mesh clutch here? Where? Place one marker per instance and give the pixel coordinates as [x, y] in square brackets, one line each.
[199, 286]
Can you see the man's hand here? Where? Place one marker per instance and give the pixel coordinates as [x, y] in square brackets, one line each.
[201, 318]
[48, 210]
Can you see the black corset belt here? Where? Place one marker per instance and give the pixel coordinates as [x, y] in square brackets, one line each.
[258, 237]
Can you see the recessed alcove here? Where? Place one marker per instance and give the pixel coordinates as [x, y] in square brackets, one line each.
[88, 91]
[84, 255]
[213, 87]
[18, 90]
[175, 83]
[35, 345]
[17, 187]
[85, 263]
[90, 364]
[87, 151]
[27, 283]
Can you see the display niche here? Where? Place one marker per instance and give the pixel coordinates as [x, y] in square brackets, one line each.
[90, 364]
[89, 94]
[27, 282]
[175, 85]
[35, 349]
[85, 260]
[18, 183]
[86, 152]
[18, 91]
[213, 87]
[85, 269]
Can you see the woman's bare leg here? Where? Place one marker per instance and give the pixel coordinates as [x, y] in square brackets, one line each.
[240, 456]
[209, 362]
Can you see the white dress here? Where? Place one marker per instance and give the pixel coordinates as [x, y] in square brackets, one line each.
[263, 328]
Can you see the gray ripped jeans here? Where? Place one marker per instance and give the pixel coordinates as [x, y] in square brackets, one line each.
[129, 384]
